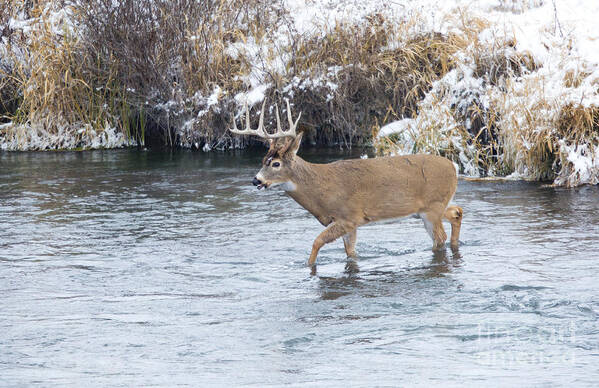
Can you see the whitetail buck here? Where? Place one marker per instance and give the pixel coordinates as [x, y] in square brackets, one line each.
[346, 194]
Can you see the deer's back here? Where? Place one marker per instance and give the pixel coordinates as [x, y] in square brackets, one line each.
[388, 187]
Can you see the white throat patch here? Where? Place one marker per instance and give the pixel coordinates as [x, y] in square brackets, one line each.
[286, 186]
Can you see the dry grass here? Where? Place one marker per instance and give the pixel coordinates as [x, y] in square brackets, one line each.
[536, 129]
[51, 75]
[374, 82]
[9, 90]
[167, 74]
[53, 79]
[577, 123]
[499, 118]
[137, 65]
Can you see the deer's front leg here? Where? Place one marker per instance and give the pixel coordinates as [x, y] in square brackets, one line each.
[331, 233]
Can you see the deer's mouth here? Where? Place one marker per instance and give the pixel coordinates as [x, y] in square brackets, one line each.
[264, 185]
[259, 183]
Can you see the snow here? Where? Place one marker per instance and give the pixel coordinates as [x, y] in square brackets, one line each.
[254, 96]
[210, 103]
[397, 127]
[38, 138]
[583, 166]
[309, 16]
[404, 130]
[561, 36]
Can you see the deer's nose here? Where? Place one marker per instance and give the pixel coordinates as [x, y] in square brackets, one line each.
[256, 182]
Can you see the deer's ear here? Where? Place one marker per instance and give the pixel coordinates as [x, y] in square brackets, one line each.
[295, 144]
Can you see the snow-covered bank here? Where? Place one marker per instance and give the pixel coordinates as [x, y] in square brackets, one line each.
[37, 138]
[534, 113]
[502, 87]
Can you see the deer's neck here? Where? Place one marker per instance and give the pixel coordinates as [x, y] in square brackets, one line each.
[305, 175]
[308, 188]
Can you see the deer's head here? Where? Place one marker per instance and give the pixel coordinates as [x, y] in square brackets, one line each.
[278, 164]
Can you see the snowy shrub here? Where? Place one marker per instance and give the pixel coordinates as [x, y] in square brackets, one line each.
[501, 87]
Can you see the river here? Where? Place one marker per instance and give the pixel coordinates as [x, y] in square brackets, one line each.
[133, 268]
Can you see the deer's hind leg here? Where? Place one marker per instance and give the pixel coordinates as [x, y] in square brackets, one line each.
[349, 241]
[454, 215]
[331, 233]
[434, 226]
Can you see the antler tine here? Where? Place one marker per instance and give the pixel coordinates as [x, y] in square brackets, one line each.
[280, 133]
[279, 129]
[242, 131]
[260, 132]
[291, 124]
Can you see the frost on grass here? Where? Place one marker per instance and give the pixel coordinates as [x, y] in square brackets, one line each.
[501, 87]
[522, 100]
[38, 138]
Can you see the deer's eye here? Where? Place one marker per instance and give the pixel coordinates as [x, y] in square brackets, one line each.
[276, 164]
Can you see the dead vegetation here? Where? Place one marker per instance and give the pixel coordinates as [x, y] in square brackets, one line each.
[373, 82]
[9, 90]
[147, 67]
[496, 115]
[134, 65]
[175, 74]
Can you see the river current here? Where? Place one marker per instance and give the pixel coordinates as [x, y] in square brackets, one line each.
[129, 268]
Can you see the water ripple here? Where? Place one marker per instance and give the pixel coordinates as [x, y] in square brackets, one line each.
[126, 268]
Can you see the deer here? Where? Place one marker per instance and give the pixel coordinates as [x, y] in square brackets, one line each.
[346, 194]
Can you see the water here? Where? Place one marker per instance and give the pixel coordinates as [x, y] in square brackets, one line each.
[127, 268]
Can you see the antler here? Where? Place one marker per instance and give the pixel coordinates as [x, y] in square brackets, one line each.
[260, 131]
[291, 131]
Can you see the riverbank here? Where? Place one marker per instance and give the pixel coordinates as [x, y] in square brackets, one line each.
[503, 88]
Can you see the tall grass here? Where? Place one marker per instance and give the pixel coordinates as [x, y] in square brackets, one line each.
[9, 89]
[500, 112]
[133, 65]
[380, 72]
[164, 73]
[51, 72]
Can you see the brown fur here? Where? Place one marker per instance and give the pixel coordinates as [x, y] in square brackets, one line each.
[346, 194]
